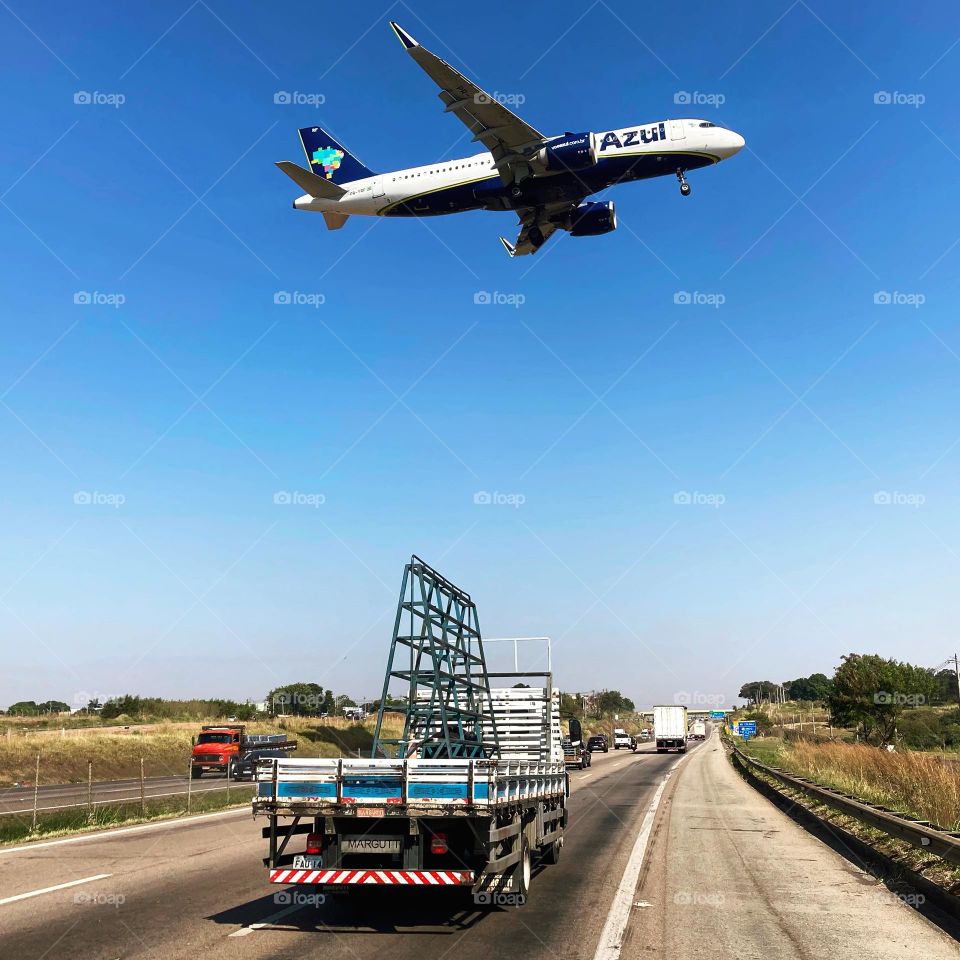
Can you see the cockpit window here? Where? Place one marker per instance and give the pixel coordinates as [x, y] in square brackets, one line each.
[707, 123]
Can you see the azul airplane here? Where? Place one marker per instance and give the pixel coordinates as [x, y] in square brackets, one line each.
[544, 180]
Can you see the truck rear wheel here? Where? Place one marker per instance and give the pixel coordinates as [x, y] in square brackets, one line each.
[522, 873]
[551, 852]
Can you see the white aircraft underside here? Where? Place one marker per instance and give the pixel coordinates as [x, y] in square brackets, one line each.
[545, 180]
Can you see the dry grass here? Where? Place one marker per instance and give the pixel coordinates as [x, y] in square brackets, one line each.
[165, 749]
[919, 784]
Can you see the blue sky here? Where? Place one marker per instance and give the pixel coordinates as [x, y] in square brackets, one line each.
[811, 429]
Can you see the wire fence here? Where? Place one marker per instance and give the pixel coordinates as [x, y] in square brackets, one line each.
[30, 807]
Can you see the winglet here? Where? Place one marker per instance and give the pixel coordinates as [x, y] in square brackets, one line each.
[508, 246]
[408, 42]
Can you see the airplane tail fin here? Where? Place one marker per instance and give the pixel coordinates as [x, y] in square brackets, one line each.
[330, 159]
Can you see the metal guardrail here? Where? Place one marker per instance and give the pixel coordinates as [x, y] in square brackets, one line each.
[918, 833]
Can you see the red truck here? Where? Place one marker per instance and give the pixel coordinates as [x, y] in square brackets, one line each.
[220, 746]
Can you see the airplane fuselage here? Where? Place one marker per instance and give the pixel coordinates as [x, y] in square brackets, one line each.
[470, 183]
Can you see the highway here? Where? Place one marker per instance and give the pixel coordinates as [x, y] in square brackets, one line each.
[65, 795]
[716, 871]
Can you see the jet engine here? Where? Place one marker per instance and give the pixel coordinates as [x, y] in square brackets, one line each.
[592, 219]
[574, 151]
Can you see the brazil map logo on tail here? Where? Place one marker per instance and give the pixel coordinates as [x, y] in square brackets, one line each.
[329, 158]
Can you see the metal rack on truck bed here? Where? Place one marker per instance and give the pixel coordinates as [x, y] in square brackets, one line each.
[476, 788]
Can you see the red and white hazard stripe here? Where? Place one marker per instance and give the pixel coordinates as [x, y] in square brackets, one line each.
[403, 878]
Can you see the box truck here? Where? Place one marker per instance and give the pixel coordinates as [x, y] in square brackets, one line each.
[670, 728]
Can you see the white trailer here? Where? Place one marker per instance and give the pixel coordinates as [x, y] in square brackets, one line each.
[670, 728]
[698, 730]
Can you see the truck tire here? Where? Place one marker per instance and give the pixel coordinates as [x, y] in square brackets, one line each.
[551, 852]
[522, 872]
[195, 773]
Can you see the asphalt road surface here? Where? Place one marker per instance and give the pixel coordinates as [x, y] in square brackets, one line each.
[197, 888]
[66, 795]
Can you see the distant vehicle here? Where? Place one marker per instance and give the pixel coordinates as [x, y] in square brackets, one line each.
[598, 742]
[575, 753]
[698, 730]
[354, 713]
[623, 739]
[644, 734]
[670, 728]
[245, 767]
[219, 747]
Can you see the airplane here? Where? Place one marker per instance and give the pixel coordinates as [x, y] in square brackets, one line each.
[545, 180]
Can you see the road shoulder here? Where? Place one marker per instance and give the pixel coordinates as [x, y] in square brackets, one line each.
[730, 876]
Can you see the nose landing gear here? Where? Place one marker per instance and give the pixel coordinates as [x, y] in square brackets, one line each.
[684, 186]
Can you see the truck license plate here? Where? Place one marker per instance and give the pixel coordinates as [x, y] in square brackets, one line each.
[370, 845]
[303, 862]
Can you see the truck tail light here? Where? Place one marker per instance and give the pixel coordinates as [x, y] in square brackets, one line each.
[438, 843]
[314, 843]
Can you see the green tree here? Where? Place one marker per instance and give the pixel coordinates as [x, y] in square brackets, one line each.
[23, 708]
[613, 701]
[871, 692]
[815, 687]
[759, 690]
[946, 687]
[299, 699]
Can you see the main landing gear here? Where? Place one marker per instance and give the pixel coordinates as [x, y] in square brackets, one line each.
[684, 186]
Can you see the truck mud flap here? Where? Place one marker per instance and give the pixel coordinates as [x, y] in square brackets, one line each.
[398, 878]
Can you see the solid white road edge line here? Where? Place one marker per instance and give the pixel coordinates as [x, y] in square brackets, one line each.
[611, 939]
[59, 886]
[120, 831]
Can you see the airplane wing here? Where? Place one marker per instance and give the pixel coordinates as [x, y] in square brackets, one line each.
[537, 226]
[503, 133]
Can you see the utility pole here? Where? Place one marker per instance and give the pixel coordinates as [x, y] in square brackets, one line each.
[956, 669]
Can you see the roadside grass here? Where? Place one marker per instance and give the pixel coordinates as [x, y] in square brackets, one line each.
[17, 828]
[912, 782]
[165, 749]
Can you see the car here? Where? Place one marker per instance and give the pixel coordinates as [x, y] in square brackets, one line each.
[598, 742]
[245, 767]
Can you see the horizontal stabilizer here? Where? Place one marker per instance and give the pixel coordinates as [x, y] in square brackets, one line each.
[315, 185]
